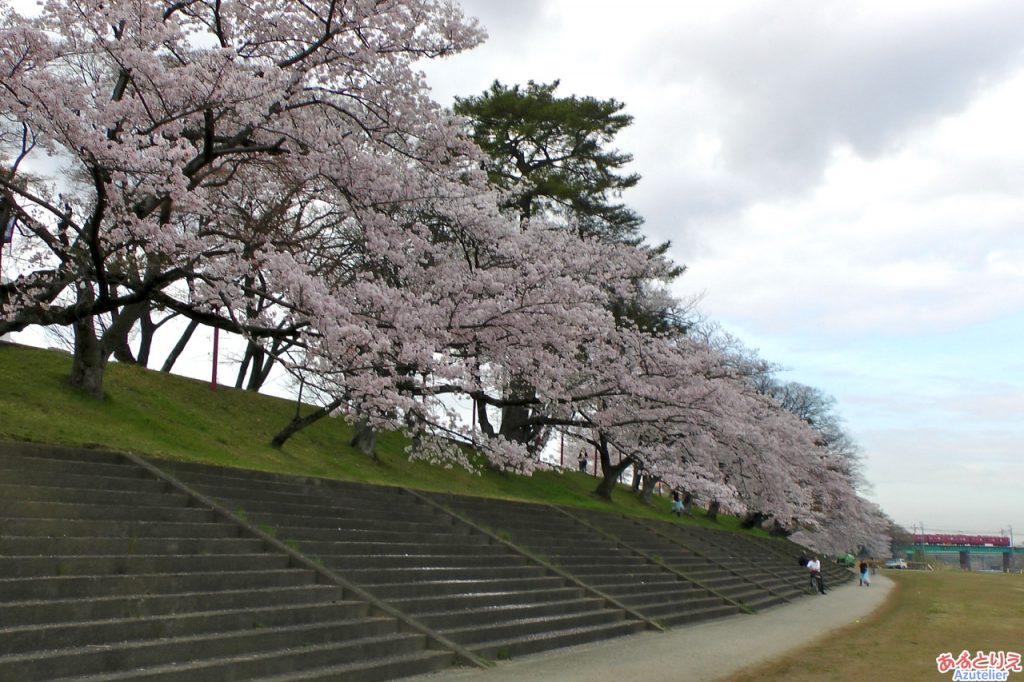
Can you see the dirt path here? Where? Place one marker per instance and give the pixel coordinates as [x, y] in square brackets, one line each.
[707, 651]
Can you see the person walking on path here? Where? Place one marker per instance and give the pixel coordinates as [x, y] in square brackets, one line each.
[864, 580]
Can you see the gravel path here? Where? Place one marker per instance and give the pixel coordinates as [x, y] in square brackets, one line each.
[706, 651]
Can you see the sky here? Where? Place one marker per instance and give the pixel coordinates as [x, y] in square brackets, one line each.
[843, 182]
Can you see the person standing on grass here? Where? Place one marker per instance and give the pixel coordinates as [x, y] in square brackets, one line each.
[864, 580]
[814, 568]
[677, 504]
[583, 461]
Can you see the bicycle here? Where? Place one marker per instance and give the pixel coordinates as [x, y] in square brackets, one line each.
[816, 584]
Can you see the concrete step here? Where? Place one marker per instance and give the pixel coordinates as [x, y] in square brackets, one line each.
[389, 591]
[383, 533]
[671, 596]
[625, 591]
[38, 612]
[582, 556]
[540, 528]
[68, 587]
[632, 570]
[369, 548]
[637, 579]
[660, 613]
[383, 576]
[328, 665]
[45, 566]
[129, 479]
[727, 582]
[515, 629]
[353, 523]
[105, 512]
[10, 465]
[307, 506]
[531, 644]
[50, 527]
[247, 482]
[26, 493]
[210, 658]
[698, 615]
[432, 604]
[390, 668]
[12, 449]
[120, 546]
[465, 562]
[25, 639]
[764, 601]
[548, 543]
[482, 616]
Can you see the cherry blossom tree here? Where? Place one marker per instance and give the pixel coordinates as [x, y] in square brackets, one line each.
[151, 111]
[278, 169]
[848, 527]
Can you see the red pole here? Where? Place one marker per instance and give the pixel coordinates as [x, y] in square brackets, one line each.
[216, 344]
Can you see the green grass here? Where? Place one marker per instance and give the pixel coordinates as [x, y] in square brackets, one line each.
[928, 613]
[171, 417]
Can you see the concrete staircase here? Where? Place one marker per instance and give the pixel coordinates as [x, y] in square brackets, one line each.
[108, 573]
[118, 568]
[737, 576]
[751, 561]
[788, 552]
[477, 593]
[597, 560]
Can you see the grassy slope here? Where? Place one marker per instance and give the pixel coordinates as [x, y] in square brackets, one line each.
[929, 613]
[172, 417]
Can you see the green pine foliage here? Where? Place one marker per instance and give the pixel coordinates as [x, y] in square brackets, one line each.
[550, 154]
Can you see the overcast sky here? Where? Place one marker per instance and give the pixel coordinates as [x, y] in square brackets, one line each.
[843, 181]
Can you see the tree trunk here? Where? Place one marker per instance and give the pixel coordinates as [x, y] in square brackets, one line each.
[298, 423]
[244, 367]
[121, 346]
[751, 519]
[481, 419]
[261, 367]
[712, 512]
[610, 472]
[515, 420]
[647, 488]
[364, 438]
[638, 472]
[147, 329]
[179, 347]
[123, 351]
[256, 364]
[89, 361]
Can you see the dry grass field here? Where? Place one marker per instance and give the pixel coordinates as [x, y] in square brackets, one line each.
[927, 614]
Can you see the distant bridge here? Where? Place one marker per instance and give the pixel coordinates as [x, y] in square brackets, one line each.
[965, 551]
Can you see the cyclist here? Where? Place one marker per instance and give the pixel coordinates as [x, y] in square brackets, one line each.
[814, 568]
